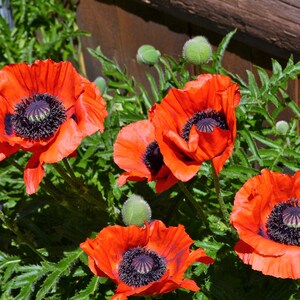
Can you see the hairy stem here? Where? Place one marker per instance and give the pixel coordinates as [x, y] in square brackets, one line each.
[219, 195]
[192, 200]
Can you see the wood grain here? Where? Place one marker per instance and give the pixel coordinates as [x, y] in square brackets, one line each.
[274, 24]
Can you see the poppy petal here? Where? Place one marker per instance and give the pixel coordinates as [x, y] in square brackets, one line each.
[129, 149]
[117, 239]
[165, 179]
[170, 243]
[118, 297]
[284, 266]
[183, 146]
[76, 109]
[189, 285]
[130, 146]
[253, 204]
[90, 109]
[68, 139]
[6, 150]
[33, 174]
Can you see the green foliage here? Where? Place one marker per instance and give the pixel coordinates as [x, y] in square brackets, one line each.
[42, 29]
[40, 256]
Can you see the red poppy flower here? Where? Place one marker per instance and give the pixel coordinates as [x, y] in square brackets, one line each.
[266, 214]
[46, 108]
[197, 124]
[137, 152]
[143, 261]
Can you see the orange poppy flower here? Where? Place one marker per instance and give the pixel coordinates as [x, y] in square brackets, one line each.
[266, 214]
[137, 152]
[197, 124]
[143, 261]
[46, 108]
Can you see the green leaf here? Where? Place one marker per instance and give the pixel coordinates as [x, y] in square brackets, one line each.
[89, 291]
[252, 85]
[56, 272]
[264, 140]
[221, 50]
[251, 143]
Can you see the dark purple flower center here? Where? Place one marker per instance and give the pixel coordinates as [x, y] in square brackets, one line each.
[140, 266]
[36, 118]
[37, 111]
[283, 224]
[152, 158]
[205, 121]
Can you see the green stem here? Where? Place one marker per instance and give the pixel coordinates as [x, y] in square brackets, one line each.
[69, 169]
[83, 191]
[14, 163]
[178, 85]
[64, 175]
[147, 297]
[192, 200]
[12, 226]
[219, 195]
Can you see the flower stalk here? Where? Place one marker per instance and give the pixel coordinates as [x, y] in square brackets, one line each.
[192, 200]
[222, 204]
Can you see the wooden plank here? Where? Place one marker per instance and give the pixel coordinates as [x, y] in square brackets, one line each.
[120, 27]
[273, 23]
[98, 18]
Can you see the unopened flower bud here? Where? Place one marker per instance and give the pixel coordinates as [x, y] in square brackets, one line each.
[135, 211]
[282, 127]
[101, 84]
[148, 55]
[197, 50]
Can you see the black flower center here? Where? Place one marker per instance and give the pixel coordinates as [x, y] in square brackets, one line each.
[140, 266]
[283, 223]
[205, 121]
[36, 118]
[152, 158]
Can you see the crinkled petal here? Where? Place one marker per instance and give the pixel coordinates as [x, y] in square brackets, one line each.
[130, 146]
[33, 174]
[90, 109]
[6, 150]
[107, 249]
[208, 92]
[283, 266]
[67, 141]
[252, 206]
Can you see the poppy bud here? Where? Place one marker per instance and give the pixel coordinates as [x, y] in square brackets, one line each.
[101, 84]
[197, 50]
[282, 127]
[135, 211]
[148, 55]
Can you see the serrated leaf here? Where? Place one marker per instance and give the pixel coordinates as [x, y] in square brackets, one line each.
[276, 67]
[251, 143]
[252, 84]
[89, 290]
[221, 50]
[59, 270]
[264, 140]
[153, 87]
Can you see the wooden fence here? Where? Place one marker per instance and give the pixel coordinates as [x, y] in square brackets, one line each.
[120, 27]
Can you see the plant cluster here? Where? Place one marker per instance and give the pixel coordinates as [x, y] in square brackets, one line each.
[39, 29]
[210, 154]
